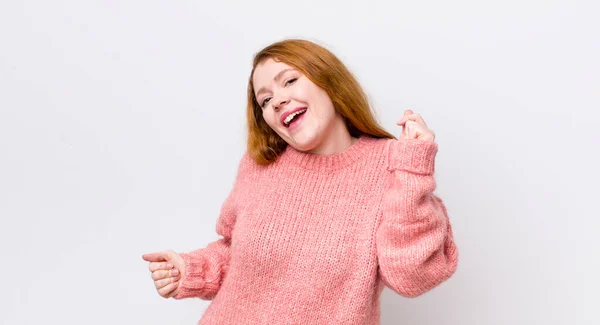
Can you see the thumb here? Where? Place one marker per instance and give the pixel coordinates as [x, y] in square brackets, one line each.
[157, 257]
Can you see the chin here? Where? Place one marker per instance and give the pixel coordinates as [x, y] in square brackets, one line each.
[301, 146]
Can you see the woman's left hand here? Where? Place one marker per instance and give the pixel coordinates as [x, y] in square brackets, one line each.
[414, 127]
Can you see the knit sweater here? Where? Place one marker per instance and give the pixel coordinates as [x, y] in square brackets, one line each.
[313, 239]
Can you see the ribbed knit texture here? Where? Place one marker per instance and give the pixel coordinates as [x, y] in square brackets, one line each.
[313, 239]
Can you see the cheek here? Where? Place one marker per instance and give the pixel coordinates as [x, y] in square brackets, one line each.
[315, 96]
[325, 105]
[305, 91]
[269, 118]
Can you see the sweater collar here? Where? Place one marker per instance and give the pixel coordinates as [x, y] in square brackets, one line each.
[335, 161]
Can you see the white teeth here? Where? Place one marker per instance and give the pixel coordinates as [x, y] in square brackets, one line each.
[290, 117]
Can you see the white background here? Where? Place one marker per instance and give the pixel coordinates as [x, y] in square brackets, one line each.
[122, 124]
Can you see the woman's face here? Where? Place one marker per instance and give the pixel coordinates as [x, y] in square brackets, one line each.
[299, 111]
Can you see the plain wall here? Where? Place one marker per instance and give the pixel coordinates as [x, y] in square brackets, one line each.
[122, 124]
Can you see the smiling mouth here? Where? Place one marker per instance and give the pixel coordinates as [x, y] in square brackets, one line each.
[292, 117]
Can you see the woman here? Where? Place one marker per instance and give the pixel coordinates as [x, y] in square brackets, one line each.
[327, 207]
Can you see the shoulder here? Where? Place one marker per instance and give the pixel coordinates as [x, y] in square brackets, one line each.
[372, 144]
[249, 171]
[246, 165]
[377, 148]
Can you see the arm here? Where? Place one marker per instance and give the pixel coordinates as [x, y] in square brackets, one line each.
[206, 267]
[415, 245]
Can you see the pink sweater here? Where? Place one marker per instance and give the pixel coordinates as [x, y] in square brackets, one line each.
[313, 239]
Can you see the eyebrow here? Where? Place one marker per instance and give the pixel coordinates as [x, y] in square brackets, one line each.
[277, 77]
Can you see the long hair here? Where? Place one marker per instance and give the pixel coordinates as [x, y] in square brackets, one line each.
[326, 71]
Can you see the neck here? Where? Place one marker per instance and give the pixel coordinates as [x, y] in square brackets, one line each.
[338, 140]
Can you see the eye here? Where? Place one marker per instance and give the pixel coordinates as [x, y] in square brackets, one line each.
[291, 81]
[265, 101]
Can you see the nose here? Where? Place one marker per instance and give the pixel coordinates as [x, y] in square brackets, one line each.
[280, 102]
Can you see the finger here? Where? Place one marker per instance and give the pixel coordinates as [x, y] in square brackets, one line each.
[173, 293]
[406, 112]
[161, 274]
[166, 290]
[418, 131]
[405, 129]
[166, 281]
[159, 266]
[420, 119]
[414, 129]
[403, 133]
[412, 117]
[156, 257]
[404, 118]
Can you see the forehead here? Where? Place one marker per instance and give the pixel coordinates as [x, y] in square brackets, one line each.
[266, 71]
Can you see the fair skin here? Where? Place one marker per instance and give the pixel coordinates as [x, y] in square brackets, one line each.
[167, 268]
[281, 89]
[415, 128]
[320, 131]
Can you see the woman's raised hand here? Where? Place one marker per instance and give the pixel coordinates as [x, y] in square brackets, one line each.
[414, 127]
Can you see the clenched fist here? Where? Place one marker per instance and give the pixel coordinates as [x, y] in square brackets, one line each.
[167, 268]
[414, 127]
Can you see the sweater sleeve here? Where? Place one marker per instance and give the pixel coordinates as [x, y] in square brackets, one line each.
[206, 267]
[415, 246]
